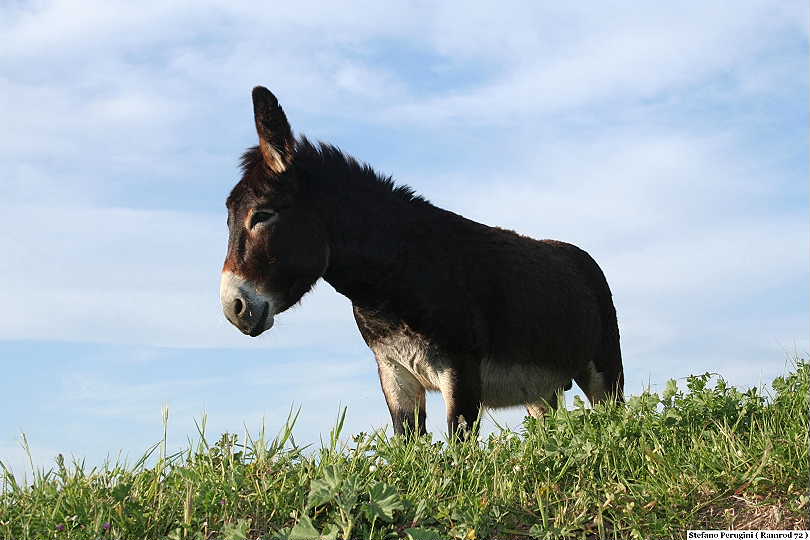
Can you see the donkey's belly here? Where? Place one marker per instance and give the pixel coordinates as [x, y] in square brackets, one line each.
[507, 385]
[411, 358]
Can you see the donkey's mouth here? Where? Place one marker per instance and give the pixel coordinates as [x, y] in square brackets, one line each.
[261, 324]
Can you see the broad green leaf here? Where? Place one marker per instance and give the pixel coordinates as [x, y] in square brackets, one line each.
[420, 533]
[332, 477]
[347, 495]
[331, 532]
[323, 490]
[120, 491]
[383, 501]
[304, 530]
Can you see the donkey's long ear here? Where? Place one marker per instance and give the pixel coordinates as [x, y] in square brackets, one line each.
[275, 136]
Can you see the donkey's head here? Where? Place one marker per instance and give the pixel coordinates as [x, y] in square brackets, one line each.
[277, 244]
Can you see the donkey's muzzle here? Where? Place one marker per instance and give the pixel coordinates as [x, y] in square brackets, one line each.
[246, 308]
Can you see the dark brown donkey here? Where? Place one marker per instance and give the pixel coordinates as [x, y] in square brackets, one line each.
[484, 315]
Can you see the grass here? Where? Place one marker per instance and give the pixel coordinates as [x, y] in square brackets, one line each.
[709, 457]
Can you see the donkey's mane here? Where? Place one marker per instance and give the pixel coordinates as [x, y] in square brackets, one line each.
[348, 169]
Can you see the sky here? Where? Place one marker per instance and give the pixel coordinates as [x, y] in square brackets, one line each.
[669, 140]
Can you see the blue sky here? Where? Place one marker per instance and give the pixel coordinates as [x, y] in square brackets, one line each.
[668, 140]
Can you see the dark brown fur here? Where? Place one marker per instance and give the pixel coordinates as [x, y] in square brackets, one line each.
[473, 299]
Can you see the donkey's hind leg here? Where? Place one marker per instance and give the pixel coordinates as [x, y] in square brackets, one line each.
[540, 408]
[598, 385]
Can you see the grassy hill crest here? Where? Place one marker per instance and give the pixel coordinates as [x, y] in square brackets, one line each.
[709, 456]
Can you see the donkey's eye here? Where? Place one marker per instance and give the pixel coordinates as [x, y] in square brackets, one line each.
[260, 217]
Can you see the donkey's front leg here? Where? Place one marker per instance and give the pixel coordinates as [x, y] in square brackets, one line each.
[461, 389]
[405, 397]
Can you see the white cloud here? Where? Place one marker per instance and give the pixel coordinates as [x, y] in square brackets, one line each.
[638, 54]
[99, 92]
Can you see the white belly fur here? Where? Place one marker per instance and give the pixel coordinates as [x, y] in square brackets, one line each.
[507, 385]
[502, 385]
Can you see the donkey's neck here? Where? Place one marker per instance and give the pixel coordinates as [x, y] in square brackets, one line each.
[366, 255]
[372, 228]
[370, 240]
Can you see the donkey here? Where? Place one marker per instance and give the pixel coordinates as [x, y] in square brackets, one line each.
[484, 315]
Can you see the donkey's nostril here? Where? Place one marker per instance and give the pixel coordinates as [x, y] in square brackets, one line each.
[238, 306]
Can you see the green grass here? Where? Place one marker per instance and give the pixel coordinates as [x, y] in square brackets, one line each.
[709, 457]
